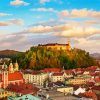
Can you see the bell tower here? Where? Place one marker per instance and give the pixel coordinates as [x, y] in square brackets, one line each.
[11, 69]
[5, 78]
[16, 67]
[4, 66]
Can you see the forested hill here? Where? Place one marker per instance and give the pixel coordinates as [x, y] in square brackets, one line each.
[8, 53]
[39, 58]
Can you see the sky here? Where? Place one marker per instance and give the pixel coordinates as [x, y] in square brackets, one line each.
[24, 23]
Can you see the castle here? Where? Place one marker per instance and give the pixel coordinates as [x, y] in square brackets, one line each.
[10, 75]
[57, 46]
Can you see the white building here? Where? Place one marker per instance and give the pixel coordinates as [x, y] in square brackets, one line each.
[79, 90]
[36, 78]
[57, 77]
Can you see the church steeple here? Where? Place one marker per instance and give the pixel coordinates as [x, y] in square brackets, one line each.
[4, 66]
[11, 69]
[16, 67]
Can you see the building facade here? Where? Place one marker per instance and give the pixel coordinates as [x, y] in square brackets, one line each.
[10, 75]
[77, 81]
[57, 46]
[4, 93]
[66, 90]
[36, 78]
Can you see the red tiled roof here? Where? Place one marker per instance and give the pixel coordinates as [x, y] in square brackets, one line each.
[92, 68]
[58, 74]
[97, 79]
[96, 88]
[51, 70]
[15, 76]
[90, 83]
[69, 72]
[35, 72]
[23, 88]
[88, 94]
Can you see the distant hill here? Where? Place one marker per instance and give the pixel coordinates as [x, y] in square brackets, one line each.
[95, 55]
[8, 53]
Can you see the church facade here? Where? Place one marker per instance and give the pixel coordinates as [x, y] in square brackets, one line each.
[10, 75]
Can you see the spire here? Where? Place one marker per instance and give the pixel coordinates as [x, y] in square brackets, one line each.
[4, 66]
[11, 64]
[16, 67]
[63, 69]
[11, 67]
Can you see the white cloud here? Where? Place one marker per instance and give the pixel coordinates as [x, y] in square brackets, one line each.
[44, 10]
[17, 21]
[18, 3]
[88, 45]
[92, 22]
[4, 14]
[47, 29]
[4, 23]
[79, 31]
[64, 13]
[80, 13]
[66, 30]
[8, 41]
[12, 22]
[44, 1]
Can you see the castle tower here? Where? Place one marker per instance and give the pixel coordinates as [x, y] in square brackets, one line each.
[5, 78]
[11, 69]
[16, 67]
[68, 46]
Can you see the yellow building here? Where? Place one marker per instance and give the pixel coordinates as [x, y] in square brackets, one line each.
[66, 90]
[4, 93]
[77, 81]
[57, 46]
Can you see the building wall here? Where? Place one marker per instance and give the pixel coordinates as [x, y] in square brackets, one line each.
[57, 78]
[76, 81]
[38, 78]
[58, 46]
[6, 94]
[16, 81]
[60, 78]
[66, 90]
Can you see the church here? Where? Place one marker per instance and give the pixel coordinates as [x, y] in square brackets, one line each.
[10, 75]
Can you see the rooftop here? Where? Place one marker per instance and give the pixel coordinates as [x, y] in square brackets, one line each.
[52, 44]
[24, 97]
[23, 88]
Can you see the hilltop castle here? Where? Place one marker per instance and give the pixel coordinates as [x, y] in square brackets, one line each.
[57, 46]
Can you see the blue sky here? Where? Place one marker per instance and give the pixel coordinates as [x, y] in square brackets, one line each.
[24, 23]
